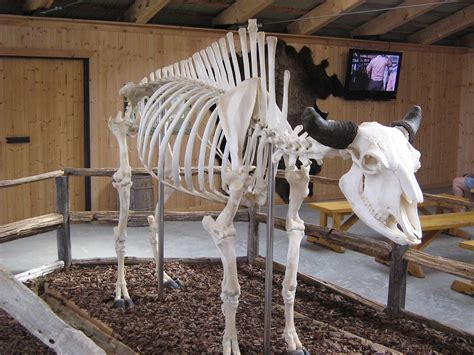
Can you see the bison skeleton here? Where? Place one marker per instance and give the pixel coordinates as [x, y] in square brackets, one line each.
[170, 113]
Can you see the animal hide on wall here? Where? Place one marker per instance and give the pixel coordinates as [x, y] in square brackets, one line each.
[309, 82]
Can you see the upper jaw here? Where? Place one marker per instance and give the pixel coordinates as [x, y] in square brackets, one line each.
[386, 222]
[402, 227]
[409, 236]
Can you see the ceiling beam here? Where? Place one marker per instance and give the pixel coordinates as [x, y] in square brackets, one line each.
[32, 5]
[467, 40]
[305, 26]
[445, 27]
[394, 18]
[240, 11]
[142, 11]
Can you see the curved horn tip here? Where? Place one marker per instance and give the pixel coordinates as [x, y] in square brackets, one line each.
[310, 112]
[416, 109]
[411, 122]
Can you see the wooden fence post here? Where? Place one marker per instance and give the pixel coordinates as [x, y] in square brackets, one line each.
[252, 237]
[397, 285]
[63, 233]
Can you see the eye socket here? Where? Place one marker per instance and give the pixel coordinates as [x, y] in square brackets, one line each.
[355, 153]
[370, 163]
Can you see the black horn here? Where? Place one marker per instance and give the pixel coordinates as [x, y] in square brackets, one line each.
[411, 122]
[334, 134]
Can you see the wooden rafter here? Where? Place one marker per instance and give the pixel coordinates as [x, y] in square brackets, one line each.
[445, 27]
[467, 40]
[142, 11]
[394, 18]
[32, 5]
[329, 7]
[240, 11]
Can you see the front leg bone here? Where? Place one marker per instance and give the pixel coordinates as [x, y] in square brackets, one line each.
[121, 181]
[298, 180]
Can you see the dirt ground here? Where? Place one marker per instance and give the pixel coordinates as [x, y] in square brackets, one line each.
[190, 319]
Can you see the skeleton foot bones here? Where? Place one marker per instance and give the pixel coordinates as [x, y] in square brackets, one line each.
[202, 108]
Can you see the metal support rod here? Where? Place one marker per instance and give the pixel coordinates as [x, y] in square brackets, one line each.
[267, 336]
[161, 234]
[161, 238]
[63, 233]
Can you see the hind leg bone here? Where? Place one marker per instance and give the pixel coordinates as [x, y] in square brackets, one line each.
[167, 280]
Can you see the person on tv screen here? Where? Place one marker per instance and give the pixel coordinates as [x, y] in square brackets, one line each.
[392, 78]
[376, 72]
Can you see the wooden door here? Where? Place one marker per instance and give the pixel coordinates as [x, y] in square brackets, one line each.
[41, 99]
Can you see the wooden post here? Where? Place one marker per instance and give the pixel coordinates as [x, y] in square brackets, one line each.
[62, 207]
[252, 236]
[397, 285]
[38, 318]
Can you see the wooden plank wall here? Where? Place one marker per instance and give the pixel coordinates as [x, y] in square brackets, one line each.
[41, 99]
[119, 53]
[465, 146]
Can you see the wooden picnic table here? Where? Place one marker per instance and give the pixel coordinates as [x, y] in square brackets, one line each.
[431, 224]
[460, 285]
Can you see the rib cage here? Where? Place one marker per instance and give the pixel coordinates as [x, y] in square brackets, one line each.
[179, 118]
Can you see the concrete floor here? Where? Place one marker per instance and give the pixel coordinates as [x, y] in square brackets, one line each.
[430, 297]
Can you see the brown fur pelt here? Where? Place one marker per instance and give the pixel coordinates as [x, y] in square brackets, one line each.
[308, 83]
[308, 80]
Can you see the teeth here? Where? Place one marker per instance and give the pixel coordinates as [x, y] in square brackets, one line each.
[379, 215]
[383, 217]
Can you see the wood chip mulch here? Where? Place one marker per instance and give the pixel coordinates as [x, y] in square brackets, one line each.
[190, 319]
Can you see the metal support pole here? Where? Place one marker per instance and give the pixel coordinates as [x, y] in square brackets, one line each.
[161, 238]
[63, 233]
[267, 336]
[161, 232]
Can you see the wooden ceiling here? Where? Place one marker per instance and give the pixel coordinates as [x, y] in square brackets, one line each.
[437, 22]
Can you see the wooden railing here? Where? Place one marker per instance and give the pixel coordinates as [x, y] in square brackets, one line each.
[396, 254]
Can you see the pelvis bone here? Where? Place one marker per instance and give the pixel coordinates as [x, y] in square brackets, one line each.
[381, 185]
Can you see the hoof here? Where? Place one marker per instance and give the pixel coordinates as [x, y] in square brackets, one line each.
[172, 284]
[178, 282]
[120, 303]
[129, 302]
[303, 351]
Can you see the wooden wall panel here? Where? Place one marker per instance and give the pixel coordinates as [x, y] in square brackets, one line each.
[465, 147]
[119, 53]
[41, 99]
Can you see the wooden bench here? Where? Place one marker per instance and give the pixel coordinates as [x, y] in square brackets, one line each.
[463, 286]
[337, 210]
[431, 224]
[446, 206]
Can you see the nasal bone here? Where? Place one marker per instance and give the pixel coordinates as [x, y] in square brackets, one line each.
[409, 185]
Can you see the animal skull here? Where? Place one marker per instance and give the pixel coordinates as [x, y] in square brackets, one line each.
[381, 185]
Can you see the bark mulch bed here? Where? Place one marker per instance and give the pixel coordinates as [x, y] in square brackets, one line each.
[190, 319]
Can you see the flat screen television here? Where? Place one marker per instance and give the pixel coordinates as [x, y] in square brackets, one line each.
[372, 75]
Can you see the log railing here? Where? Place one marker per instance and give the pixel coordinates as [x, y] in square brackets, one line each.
[29, 179]
[30, 226]
[397, 256]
